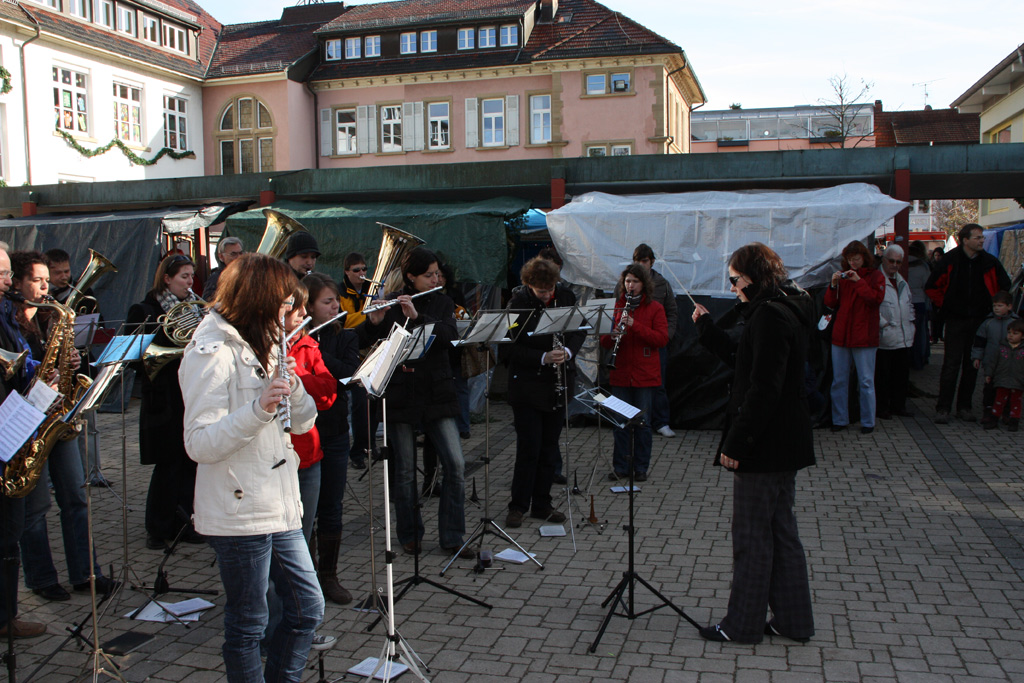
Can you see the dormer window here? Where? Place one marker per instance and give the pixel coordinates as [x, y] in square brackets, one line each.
[352, 48]
[488, 37]
[150, 29]
[106, 13]
[407, 43]
[79, 8]
[509, 36]
[466, 38]
[175, 38]
[372, 46]
[332, 50]
[428, 41]
[126, 20]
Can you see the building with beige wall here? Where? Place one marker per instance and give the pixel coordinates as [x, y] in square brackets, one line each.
[774, 129]
[998, 97]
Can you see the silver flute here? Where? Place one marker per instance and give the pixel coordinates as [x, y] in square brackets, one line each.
[284, 408]
[323, 325]
[392, 302]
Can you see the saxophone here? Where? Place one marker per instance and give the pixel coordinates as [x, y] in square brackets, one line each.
[24, 469]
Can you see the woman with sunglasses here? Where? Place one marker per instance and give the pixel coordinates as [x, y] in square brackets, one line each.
[173, 482]
[641, 323]
[248, 502]
[351, 300]
[766, 439]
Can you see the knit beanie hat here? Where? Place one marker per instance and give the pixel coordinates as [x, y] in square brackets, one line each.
[301, 243]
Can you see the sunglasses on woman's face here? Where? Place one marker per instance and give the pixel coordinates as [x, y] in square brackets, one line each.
[734, 279]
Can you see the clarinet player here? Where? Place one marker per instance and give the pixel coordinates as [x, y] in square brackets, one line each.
[640, 330]
[541, 374]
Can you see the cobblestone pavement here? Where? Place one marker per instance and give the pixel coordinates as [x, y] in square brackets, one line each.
[914, 537]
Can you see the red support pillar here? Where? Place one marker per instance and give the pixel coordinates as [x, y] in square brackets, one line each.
[29, 208]
[557, 193]
[267, 197]
[901, 228]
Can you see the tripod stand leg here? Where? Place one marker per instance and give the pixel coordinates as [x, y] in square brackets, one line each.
[668, 603]
[498, 531]
[614, 599]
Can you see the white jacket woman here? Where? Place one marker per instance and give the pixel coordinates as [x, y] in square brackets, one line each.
[242, 486]
[896, 316]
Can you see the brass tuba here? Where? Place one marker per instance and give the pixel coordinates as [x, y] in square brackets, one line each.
[11, 363]
[275, 236]
[98, 265]
[24, 469]
[397, 243]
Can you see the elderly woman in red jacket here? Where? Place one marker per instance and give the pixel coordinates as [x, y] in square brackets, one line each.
[855, 294]
[637, 371]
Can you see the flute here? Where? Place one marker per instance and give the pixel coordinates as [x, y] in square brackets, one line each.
[320, 327]
[291, 335]
[284, 408]
[392, 302]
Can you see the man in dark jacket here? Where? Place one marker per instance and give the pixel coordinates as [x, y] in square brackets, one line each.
[961, 287]
[228, 249]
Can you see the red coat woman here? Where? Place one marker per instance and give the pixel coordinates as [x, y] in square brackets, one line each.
[321, 385]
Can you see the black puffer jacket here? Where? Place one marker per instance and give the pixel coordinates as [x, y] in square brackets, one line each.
[421, 390]
[768, 426]
[340, 351]
[529, 382]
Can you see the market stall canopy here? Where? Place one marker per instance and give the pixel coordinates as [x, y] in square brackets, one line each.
[471, 236]
[694, 233]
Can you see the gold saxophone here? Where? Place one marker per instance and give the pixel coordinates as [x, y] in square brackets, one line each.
[23, 471]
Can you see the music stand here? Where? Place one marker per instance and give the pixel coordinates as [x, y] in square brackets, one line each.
[488, 327]
[600, 316]
[622, 415]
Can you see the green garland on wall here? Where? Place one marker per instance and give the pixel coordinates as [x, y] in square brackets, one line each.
[132, 156]
[5, 86]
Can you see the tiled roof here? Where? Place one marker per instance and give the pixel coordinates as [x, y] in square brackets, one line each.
[413, 12]
[592, 30]
[91, 34]
[925, 127]
[269, 46]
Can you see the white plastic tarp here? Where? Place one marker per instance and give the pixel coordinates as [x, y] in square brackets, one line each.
[694, 233]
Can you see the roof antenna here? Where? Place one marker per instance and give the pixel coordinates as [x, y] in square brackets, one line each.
[925, 84]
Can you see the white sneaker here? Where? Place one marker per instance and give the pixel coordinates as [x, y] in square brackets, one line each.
[666, 431]
[322, 642]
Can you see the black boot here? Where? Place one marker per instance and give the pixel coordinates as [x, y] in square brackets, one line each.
[328, 546]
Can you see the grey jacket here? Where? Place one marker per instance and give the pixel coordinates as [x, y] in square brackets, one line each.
[1008, 372]
[991, 333]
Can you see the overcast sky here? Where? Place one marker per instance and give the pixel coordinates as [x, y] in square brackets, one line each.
[782, 53]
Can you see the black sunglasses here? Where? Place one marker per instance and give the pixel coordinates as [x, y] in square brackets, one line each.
[734, 279]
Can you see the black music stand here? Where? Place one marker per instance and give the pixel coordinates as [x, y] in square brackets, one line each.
[622, 415]
[489, 327]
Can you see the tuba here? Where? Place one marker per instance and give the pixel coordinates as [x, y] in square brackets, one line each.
[98, 265]
[275, 236]
[24, 469]
[397, 243]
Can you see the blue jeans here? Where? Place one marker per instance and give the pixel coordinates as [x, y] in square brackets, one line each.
[462, 394]
[659, 416]
[634, 440]
[333, 476]
[309, 494]
[451, 513]
[863, 359]
[64, 469]
[247, 564]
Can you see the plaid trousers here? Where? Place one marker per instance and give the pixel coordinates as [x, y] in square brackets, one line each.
[769, 566]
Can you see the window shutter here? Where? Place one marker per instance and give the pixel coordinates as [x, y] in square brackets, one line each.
[366, 129]
[326, 133]
[512, 120]
[418, 126]
[408, 127]
[471, 123]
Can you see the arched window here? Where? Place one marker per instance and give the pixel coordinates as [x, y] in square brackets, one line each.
[245, 136]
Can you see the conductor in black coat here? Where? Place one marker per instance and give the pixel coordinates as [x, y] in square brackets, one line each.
[767, 438]
[422, 394]
[539, 381]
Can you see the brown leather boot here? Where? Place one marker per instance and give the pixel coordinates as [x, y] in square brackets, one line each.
[328, 546]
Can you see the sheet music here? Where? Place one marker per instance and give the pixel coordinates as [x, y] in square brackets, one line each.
[620, 407]
[600, 314]
[422, 338]
[19, 420]
[41, 396]
[125, 348]
[559, 320]
[381, 362]
[85, 327]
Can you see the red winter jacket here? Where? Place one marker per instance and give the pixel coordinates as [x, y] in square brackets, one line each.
[638, 363]
[321, 385]
[856, 305]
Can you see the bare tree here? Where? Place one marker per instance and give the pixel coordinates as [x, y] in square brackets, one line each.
[841, 111]
[952, 214]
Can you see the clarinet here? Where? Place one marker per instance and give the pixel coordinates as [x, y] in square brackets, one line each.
[557, 345]
[284, 408]
[632, 302]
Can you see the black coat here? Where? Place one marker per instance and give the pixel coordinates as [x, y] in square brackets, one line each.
[768, 424]
[421, 390]
[529, 382]
[340, 352]
[162, 414]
